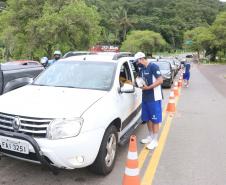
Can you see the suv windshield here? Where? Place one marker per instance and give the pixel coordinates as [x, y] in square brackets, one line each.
[168, 60]
[78, 74]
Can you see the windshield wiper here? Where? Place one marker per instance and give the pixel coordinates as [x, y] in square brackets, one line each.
[39, 84]
[65, 86]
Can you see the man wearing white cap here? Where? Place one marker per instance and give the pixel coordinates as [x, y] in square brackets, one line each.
[151, 97]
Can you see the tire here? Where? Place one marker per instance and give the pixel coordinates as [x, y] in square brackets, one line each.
[105, 161]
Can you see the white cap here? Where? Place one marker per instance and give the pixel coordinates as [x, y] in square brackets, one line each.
[138, 55]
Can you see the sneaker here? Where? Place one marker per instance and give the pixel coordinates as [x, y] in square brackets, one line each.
[152, 145]
[186, 86]
[147, 140]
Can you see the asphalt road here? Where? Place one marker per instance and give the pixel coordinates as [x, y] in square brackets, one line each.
[193, 152]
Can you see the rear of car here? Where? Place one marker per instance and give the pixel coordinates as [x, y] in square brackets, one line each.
[172, 63]
[166, 72]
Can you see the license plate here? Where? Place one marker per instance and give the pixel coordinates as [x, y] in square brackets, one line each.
[14, 145]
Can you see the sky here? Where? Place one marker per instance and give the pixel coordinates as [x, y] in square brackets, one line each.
[223, 0]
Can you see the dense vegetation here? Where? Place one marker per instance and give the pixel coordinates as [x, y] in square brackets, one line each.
[30, 29]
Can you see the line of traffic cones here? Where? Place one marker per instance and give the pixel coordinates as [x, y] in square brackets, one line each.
[132, 175]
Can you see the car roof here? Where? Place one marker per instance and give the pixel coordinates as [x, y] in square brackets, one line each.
[162, 62]
[113, 57]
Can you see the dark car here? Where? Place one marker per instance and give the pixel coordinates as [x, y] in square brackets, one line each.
[16, 76]
[172, 63]
[189, 56]
[167, 73]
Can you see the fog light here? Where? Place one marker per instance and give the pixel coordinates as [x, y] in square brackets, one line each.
[80, 159]
[77, 160]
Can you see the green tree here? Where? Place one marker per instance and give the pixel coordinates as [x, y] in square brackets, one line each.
[107, 37]
[120, 19]
[219, 30]
[145, 41]
[42, 26]
[201, 37]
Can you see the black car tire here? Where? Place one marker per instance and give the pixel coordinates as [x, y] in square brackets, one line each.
[102, 165]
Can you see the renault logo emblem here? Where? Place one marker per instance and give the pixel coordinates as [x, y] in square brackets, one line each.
[16, 124]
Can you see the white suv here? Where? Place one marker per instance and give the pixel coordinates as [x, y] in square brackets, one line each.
[73, 115]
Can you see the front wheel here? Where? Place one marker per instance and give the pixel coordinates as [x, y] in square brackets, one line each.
[106, 157]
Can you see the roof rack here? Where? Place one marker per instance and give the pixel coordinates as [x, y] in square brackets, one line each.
[122, 54]
[76, 53]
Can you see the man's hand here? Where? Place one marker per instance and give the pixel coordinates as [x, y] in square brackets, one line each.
[132, 84]
[145, 87]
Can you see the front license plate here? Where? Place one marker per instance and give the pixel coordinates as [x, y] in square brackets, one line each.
[13, 145]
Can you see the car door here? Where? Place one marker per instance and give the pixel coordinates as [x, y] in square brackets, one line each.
[138, 91]
[127, 101]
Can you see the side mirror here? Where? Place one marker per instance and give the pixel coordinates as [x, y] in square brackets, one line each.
[127, 88]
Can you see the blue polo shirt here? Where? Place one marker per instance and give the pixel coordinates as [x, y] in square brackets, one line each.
[187, 67]
[151, 73]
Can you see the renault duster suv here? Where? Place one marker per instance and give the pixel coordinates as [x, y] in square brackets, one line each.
[75, 114]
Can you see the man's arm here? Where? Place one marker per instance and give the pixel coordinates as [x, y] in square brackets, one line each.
[158, 81]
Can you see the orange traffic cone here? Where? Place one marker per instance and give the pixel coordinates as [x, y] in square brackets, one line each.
[176, 92]
[215, 64]
[132, 176]
[180, 83]
[198, 64]
[171, 108]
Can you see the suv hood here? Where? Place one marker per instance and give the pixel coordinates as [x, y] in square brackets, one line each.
[48, 102]
[163, 72]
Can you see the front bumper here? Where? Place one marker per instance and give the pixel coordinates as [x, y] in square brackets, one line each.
[61, 153]
[166, 82]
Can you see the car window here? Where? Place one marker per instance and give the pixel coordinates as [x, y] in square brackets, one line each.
[134, 69]
[33, 63]
[24, 63]
[75, 74]
[125, 75]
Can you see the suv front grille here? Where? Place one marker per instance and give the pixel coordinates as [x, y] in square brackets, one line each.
[30, 126]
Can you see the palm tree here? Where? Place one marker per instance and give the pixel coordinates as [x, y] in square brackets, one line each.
[120, 19]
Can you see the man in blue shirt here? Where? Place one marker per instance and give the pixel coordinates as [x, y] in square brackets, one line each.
[186, 75]
[151, 98]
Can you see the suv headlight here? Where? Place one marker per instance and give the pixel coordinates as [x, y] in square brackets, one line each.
[167, 76]
[64, 128]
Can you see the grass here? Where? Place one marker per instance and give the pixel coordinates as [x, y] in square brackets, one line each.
[223, 62]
